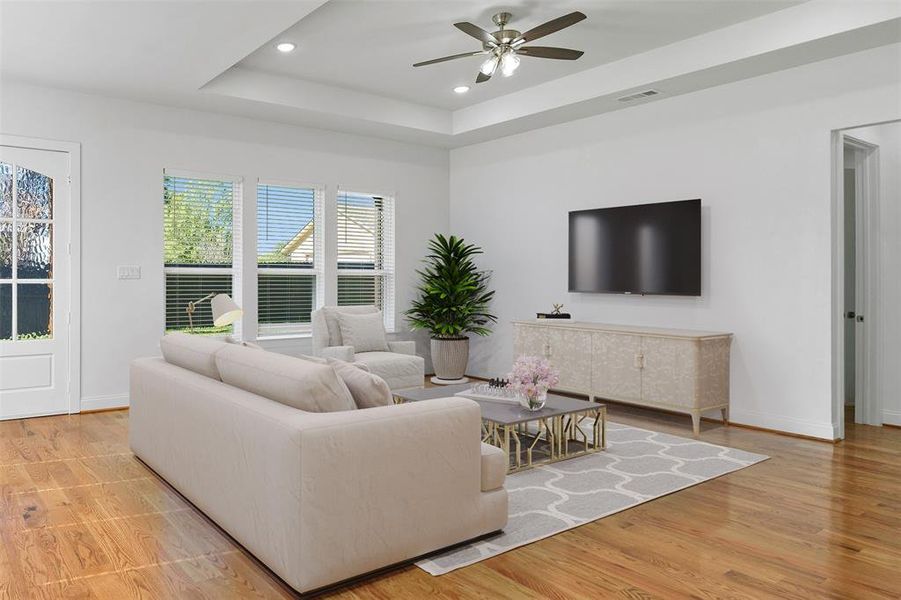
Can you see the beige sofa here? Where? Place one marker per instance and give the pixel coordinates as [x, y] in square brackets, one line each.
[319, 497]
[400, 367]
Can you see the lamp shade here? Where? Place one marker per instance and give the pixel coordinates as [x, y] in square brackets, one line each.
[225, 311]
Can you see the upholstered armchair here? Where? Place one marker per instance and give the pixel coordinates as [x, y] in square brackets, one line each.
[397, 363]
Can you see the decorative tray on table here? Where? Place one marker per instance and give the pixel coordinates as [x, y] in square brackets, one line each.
[495, 390]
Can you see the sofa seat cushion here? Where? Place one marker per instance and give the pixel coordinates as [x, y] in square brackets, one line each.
[398, 370]
[368, 389]
[195, 353]
[494, 467]
[303, 384]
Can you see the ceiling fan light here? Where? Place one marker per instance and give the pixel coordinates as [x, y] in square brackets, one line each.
[509, 64]
[489, 66]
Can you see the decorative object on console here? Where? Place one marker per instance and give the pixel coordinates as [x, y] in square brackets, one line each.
[453, 301]
[555, 314]
[531, 378]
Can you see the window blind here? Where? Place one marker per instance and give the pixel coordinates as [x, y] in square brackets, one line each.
[201, 246]
[289, 253]
[365, 246]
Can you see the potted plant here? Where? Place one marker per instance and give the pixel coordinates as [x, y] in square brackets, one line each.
[453, 302]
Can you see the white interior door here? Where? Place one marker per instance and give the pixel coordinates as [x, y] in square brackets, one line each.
[34, 282]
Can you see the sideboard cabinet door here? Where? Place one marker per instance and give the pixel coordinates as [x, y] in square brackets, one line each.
[616, 370]
[670, 373]
[529, 340]
[570, 352]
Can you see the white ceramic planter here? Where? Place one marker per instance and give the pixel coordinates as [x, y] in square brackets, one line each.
[449, 358]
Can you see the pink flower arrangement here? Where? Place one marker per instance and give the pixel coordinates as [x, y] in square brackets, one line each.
[532, 376]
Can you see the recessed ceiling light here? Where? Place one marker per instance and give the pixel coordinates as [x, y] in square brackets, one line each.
[461, 89]
[285, 46]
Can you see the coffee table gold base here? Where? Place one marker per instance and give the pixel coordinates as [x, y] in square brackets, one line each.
[555, 438]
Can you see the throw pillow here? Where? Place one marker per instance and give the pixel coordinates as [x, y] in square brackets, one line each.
[368, 390]
[365, 333]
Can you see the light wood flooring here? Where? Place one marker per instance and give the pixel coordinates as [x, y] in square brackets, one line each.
[81, 517]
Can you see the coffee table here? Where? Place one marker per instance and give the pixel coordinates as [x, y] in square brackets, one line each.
[530, 438]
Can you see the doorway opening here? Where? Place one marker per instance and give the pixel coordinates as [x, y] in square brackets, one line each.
[866, 295]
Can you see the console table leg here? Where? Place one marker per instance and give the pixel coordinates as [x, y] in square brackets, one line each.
[725, 412]
[696, 423]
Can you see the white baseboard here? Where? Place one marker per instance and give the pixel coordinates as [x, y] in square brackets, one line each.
[814, 429]
[891, 417]
[104, 402]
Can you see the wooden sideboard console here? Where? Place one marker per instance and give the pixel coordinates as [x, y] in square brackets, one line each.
[673, 369]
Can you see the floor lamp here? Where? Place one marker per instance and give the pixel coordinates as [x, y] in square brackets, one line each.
[225, 311]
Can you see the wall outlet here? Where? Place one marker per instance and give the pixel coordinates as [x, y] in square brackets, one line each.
[128, 272]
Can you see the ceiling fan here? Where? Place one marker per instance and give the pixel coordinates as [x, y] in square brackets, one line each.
[503, 47]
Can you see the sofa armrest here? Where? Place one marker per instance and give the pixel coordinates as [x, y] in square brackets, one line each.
[386, 484]
[402, 347]
[345, 353]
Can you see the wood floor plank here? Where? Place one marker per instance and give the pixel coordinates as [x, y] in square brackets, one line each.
[81, 517]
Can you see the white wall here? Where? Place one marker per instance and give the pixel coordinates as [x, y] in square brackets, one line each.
[888, 138]
[757, 152]
[125, 147]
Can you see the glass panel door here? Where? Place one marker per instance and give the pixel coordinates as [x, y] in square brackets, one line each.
[33, 342]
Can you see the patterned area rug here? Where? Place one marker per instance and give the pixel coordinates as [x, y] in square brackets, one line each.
[638, 466]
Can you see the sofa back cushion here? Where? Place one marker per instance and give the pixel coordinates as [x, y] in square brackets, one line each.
[368, 389]
[193, 352]
[303, 384]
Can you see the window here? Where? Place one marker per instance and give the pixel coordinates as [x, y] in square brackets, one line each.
[201, 244]
[26, 254]
[365, 243]
[289, 256]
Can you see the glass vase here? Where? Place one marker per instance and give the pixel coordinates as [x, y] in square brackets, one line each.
[534, 402]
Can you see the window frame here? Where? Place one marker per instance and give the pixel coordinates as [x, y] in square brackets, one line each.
[236, 268]
[319, 264]
[388, 270]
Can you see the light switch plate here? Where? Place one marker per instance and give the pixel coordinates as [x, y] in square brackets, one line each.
[128, 272]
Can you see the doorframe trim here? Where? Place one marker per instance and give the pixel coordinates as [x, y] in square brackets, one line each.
[872, 308]
[73, 150]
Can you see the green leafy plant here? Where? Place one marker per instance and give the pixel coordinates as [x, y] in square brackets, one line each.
[453, 293]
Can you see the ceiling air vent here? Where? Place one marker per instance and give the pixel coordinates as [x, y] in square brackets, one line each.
[639, 95]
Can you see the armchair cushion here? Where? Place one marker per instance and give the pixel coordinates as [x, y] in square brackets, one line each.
[328, 316]
[345, 353]
[365, 332]
[368, 390]
[398, 370]
[289, 380]
[403, 347]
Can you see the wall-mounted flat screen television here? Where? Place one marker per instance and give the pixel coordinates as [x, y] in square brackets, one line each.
[642, 249]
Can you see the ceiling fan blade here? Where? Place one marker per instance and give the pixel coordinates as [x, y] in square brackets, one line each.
[482, 78]
[550, 27]
[452, 57]
[549, 52]
[476, 32]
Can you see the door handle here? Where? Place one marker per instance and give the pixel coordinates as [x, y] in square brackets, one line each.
[850, 314]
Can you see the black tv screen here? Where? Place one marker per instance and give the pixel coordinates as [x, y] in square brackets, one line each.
[642, 249]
